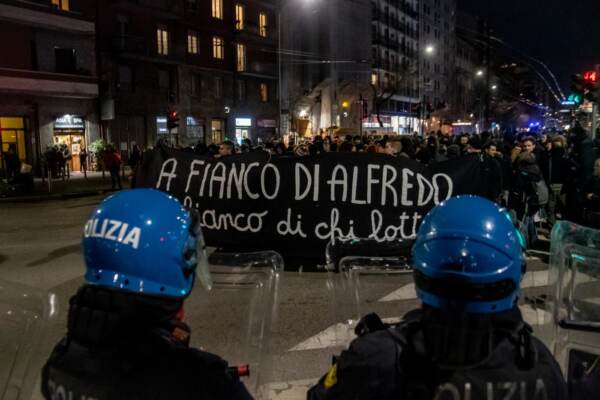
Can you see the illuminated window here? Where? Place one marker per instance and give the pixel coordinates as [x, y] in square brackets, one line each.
[262, 22]
[61, 4]
[239, 17]
[12, 136]
[218, 48]
[217, 9]
[264, 92]
[241, 57]
[192, 42]
[162, 40]
[374, 78]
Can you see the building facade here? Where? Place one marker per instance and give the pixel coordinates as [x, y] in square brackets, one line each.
[326, 65]
[394, 78]
[48, 79]
[437, 67]
[212, 62]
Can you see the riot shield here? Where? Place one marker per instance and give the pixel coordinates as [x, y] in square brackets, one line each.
[574, 296]
[25, 316]
[366, 277]
[247, 284]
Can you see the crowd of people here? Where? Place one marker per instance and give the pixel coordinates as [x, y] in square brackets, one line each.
[541, 177]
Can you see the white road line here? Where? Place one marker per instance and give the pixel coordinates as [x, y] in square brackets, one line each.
[341, 334]
[535, 316]
[291, 390]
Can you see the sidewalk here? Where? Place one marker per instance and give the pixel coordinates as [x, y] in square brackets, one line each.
[76, 186]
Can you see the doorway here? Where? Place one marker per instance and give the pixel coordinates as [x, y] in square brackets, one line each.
[74, 142]
[241, 134]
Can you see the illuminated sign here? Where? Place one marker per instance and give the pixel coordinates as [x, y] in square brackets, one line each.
[69, 122]
[243, 122]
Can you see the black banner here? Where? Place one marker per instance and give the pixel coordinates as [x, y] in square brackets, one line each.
[297, 205]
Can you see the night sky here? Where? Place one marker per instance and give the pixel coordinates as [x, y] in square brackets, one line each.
[565, 34]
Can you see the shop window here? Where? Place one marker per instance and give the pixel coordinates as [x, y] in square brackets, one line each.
[162, 40]
[262, 19]
[12, 134]
[61, 4]
[239, 17]
[65, 60]
[218, 48]
[192, 42]
[241, 57]
[264, 92]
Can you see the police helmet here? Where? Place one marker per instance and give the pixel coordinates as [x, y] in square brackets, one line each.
[468, 255]
[144, 241]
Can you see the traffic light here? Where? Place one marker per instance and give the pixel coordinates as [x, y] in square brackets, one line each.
[172, 120]
[577, 87]
[590, 83]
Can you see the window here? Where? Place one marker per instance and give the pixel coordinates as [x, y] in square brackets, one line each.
[61, 4]
[192, 42]
[218, 48]
[125, 78]
[217, 9]
[374, 78]
[216, 127]
[66, 61]
[196, 85]
[162, 40]
[241, 57]
[239, 17]
[164, 80]
[264, 92]
[218, 87]
[192, 5]
[262, 22]
[241, 90]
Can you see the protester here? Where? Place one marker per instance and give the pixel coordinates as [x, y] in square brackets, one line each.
[112, 162]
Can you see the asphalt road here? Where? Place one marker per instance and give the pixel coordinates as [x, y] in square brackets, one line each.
[40, 247]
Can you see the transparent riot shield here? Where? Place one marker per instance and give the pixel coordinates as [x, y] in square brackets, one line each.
[25, 316]
[365, 277]
[236, 317]
[574, 296]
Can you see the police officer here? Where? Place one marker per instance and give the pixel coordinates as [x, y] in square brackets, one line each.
[125, 338]
[468, 341]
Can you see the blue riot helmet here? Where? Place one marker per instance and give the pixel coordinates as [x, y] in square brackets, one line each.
[468, 255]
[144, 241]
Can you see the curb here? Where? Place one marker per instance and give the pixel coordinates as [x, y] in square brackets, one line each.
[57, 196]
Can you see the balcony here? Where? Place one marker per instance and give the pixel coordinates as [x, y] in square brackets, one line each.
[45, 16]
[166, 9]
[140, 46]
[47, 84]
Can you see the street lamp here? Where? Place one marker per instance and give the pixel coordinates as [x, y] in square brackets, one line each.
[494, 87]
[479, 73]
[429, 49]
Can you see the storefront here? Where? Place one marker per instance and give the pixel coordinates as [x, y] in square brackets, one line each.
[69, 130]
[12, 135]
[266, 129]
[242, 129]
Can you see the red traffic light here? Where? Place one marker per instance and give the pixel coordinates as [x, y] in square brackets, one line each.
[173, 114]
[591, 76]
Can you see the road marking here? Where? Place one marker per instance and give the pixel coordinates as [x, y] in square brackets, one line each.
[341, 334]
[291, 390]
[535, 316]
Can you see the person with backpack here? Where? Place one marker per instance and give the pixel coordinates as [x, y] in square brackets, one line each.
[468, 340]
